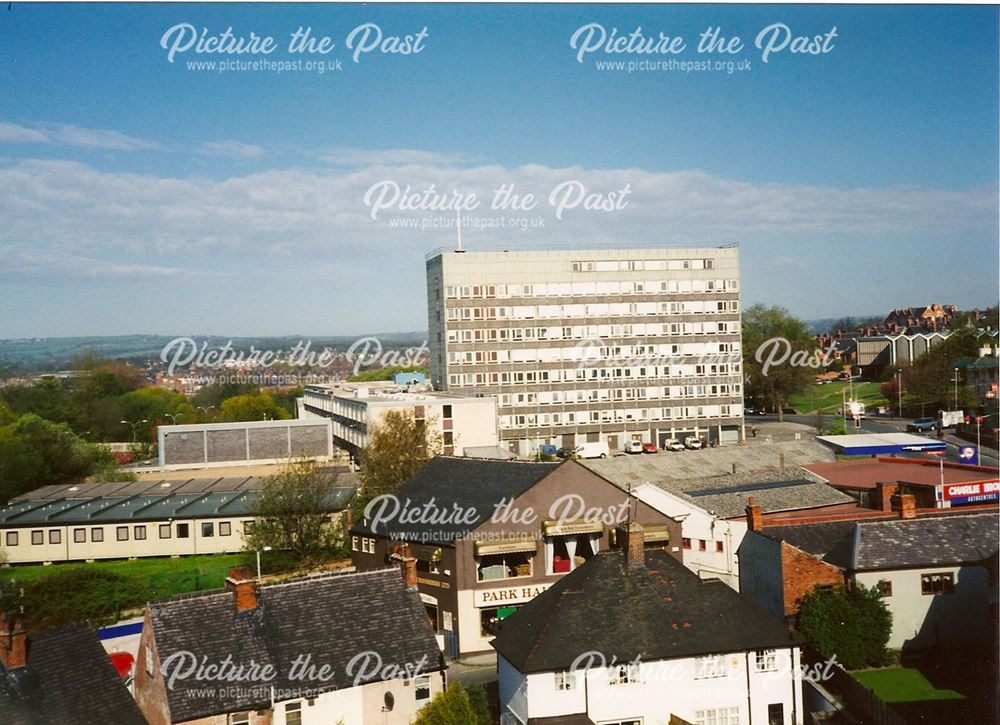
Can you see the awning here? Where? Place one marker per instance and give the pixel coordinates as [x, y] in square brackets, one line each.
[426, 553]
[568, 528]
[655, 532]
[504, 546]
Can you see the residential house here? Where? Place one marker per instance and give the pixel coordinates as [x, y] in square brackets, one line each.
[342, 648]
[634, 637]
[490, 535]
[60, 676]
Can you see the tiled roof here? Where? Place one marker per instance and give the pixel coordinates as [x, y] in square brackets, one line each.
[771, 496]
[815, 539]
[69, 679]
[472, 486]
[329, 619]
[661, 611]
[144, 501]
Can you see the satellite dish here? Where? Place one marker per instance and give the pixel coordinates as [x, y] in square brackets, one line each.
[390, 702]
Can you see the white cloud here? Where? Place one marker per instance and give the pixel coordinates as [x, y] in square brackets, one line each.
[783, 262]
[66, 135]
[21, 261]
[234, 149]
[390, 157]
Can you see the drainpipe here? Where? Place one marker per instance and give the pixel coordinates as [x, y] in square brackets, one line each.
[791, 654]
[749, 699]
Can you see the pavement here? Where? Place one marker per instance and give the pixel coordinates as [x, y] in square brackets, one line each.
[475, 669]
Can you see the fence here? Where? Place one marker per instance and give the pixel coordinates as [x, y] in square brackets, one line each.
[862, 701]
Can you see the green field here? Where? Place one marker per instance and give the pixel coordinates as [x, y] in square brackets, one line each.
[903, 684]
[829, 398]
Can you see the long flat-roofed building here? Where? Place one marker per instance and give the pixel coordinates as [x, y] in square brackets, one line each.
[585, 346]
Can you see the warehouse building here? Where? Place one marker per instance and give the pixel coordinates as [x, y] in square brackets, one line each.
[203, 445]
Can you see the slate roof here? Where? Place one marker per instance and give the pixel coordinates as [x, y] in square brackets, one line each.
[69, 678]
[330, 619]
[662, 611]
[85, 503]
[933, 540]
[771, 496]
[472, 487]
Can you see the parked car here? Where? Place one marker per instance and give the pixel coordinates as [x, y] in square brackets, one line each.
[922, 425]
[750, 410]
[649, 448]
[564, 452]
[597, 449]
[672, 444]
[633, 447]
[693, 442]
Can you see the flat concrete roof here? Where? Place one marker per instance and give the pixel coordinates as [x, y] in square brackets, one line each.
[875, 444]
[864, 475]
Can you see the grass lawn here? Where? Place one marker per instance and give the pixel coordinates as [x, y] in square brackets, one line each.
[903, 684]
[828, 398]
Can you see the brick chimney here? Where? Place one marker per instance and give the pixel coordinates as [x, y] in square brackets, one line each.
[241, 582]
[755, 520]
[13, 643]
[635, 553]
[884, 491]
[407, 565]
[905, 504]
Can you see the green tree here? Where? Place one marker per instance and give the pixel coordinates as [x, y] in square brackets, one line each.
[387, 373]
[47, 398]
[293, 514]
[400, 445]
[451, 707]
[36, 452]
[211, 396]
[769, 333]
[931, 378]
[854, 624]
[253, 406]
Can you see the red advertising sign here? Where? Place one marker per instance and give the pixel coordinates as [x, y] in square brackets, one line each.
[972, 492]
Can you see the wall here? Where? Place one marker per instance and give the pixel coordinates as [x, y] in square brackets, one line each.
[219, 444]
[761, 573]
[922, 620]
[801, 573]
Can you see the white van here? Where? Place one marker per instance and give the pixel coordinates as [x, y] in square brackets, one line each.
[633, 447]
[593, 450]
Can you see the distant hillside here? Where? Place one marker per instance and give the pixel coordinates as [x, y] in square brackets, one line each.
[56, 353]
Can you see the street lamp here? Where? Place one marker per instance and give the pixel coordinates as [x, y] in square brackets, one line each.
[956, 389]
[136, 423]
[205, 410]
[266, 548]
[899, 391]
[173, 417]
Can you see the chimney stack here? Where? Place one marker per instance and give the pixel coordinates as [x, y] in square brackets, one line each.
[635, 553]
[884, 491]
[905, 504]
[755, 520]
[407, 565]
[241, 582]
[13, 643]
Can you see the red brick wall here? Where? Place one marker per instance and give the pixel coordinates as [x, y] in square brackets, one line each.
[801, 573]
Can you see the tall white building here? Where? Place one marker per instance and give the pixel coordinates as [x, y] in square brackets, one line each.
[582, 346]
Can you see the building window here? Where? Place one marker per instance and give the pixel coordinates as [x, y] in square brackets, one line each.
[97, 534]
[701, 545]
[164, 531]
[488, 618]
[565, 681]
[624, 673]
[504, 566]
[239, 718]
[937, 583]
[11, 538]
[448, 438]
[686, 543]
[709, 666]
[718, 547]
[446, 411]
[183, 531]
[767, 660]
[776, 714]
[293, 713]
[122, 533]
[140, 532]
[55, 536]
[422, 687]
[207, 529]
[354, 543]
[225, 528]
[79, 536]
[885, 588]
[37, 538]
[717, 716]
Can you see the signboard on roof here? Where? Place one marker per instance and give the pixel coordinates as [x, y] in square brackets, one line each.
[975, 492]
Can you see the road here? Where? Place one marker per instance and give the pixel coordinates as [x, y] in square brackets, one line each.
[987, 456]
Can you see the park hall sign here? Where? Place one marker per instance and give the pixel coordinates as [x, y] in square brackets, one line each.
[507, 595]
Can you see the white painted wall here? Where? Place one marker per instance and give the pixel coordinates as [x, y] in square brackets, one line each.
[664, 688]
[698, 525]
[963, 615]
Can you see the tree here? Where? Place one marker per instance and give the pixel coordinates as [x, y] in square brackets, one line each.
[36, 452]
[293, 513]
[400, 445]
[854, 624]
[253, 406]
[454, 706]
[776, 337]
[931, 378]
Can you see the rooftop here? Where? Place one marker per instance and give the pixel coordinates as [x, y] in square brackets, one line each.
[329, 619]
[658, 612]
[864, 475]
[68, 679]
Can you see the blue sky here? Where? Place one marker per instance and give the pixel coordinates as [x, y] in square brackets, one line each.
[144, 196]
